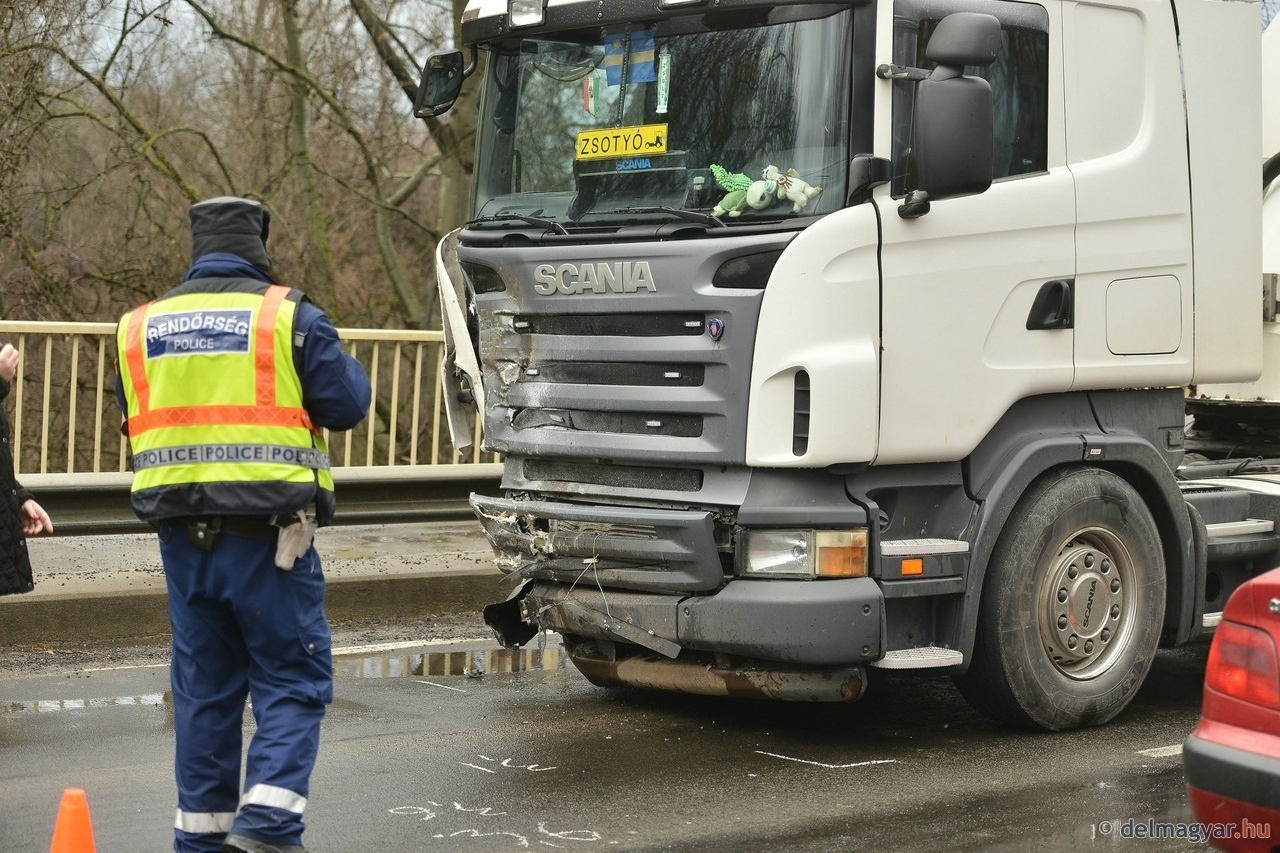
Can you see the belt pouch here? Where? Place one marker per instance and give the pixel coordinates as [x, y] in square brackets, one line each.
[204, 534]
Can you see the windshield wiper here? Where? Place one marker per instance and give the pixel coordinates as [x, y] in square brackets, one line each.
[532, 220]
[684, 213]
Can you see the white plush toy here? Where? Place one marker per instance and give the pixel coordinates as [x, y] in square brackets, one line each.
[789, 186]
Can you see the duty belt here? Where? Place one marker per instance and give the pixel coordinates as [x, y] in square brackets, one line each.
[205, 530]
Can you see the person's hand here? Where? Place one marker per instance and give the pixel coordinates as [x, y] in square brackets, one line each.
[8, 362]
[34, 519]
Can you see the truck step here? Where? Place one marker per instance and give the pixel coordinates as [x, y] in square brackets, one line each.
[922, 547]
[1243, 539]
[927, 657]
[1247, 527]
[1211, 620]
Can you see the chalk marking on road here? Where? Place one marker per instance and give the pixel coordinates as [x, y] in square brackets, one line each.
[829, 766]
[484, 811]
[1162, 751]
[506, 762]
[477, 766]
[523, 841]
[416, 810]
[443, 686]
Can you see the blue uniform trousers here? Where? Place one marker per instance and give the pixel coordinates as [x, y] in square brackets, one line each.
[242, 627]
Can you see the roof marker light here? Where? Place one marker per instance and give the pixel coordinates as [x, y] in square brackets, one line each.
[525, 13]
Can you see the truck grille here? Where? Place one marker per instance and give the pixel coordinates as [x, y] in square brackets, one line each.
[586, 391]
[612, 476]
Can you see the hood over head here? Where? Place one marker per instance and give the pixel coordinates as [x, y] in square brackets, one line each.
[237, 226]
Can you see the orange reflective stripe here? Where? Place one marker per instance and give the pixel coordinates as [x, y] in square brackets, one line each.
[265, 351]
[137, 364]
[219, 416]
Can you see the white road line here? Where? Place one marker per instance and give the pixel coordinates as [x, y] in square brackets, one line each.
[1162, 751]
[444, 686]
[830, 766]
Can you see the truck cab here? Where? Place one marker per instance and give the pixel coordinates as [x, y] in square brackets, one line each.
[824, 336]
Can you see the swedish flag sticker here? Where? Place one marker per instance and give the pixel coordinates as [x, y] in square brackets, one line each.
[636, 49]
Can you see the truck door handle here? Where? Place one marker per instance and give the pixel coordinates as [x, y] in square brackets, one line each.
[1052, 308]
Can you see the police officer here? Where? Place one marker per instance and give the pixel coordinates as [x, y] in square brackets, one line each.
[226, 383]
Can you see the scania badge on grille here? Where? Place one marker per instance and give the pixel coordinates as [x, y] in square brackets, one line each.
[715, 328]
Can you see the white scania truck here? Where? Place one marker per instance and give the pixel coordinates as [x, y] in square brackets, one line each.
[818, 336]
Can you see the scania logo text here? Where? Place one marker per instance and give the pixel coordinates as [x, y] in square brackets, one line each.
[600, 277]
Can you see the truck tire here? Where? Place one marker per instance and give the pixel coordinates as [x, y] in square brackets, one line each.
[1072, 605]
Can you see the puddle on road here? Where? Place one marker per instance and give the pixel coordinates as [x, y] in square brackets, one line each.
[473, 663]
[350, 665]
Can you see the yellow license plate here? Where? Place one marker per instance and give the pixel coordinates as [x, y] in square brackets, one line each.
[621, 142]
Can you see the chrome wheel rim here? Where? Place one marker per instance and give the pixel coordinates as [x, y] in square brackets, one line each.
[1087, 604]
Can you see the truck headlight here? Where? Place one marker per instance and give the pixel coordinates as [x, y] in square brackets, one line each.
[525, 13]
[803, 553]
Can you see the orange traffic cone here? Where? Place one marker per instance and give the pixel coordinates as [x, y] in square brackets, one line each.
[73, 833]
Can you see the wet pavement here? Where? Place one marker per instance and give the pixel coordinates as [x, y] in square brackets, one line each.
[468, 747]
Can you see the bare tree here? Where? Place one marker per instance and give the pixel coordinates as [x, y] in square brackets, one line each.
[116, 115]
[141, 108]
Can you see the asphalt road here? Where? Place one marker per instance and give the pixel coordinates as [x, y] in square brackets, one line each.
[467, 747]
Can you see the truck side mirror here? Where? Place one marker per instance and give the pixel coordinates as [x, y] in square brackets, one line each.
[954, 121]
[442, 76]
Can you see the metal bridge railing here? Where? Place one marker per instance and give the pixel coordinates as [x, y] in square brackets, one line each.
[66, 421]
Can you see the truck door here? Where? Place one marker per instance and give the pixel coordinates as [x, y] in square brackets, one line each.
[1126, 146]
[977, 293]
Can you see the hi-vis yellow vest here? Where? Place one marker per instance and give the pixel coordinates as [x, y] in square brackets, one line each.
[215, 418]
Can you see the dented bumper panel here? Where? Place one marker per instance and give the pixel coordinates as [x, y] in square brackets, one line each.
[810, 623]
[712, 675]
[627, 548]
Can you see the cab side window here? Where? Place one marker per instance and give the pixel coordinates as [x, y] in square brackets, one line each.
[1019, 81]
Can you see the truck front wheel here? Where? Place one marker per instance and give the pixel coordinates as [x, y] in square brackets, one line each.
[1072, 605]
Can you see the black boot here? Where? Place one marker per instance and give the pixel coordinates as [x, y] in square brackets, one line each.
[242, 844]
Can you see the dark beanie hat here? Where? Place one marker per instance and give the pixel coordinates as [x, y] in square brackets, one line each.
[228, 224]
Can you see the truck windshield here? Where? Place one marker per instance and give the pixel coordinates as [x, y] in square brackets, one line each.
[656, 122]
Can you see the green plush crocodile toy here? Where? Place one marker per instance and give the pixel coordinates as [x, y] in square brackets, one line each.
[735, 186]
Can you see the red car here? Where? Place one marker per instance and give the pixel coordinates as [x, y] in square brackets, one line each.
[1232, 759]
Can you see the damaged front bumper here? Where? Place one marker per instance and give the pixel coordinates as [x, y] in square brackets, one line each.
[772, 638]
[620, 547]
[641, 597]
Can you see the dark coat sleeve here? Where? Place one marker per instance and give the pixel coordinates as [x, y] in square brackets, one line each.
[335, 388]
[15, 564]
